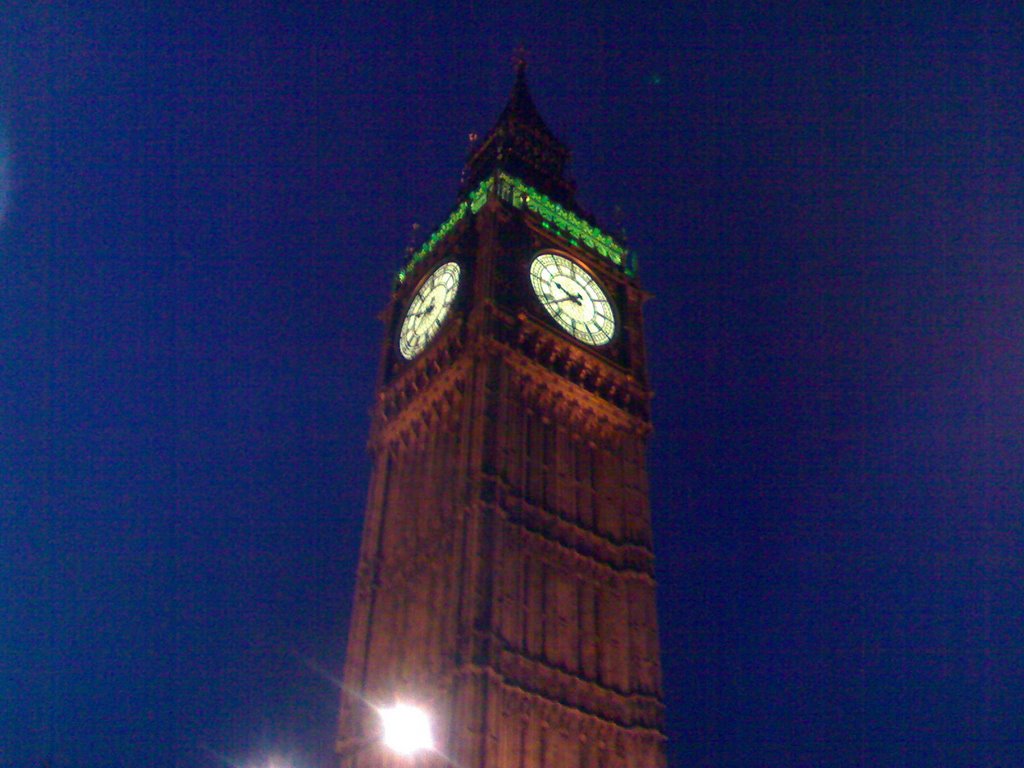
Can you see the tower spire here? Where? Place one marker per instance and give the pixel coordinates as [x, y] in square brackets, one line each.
[521, 144]
[519, 59]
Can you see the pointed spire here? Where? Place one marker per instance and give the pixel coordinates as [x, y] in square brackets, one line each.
[520, 106]
[519, 58]
[522, 144]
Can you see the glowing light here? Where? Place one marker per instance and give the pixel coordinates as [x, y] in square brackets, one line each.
[268, 761]
[406, 729]
[554, 217]
[476, 200]
[275, 761]
[563, 222]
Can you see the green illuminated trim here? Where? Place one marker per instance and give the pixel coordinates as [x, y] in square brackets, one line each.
[478, 197]
[472, 204]
[564, 223]
[554, 217]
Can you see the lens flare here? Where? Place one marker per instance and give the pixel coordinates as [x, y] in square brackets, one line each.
[406, 729]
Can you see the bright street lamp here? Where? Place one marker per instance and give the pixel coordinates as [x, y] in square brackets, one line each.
[406, 729]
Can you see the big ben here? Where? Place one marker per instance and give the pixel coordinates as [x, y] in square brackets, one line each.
[506, 572]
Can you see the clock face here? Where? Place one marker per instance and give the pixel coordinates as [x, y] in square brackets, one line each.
[573, 298]
[428, 309]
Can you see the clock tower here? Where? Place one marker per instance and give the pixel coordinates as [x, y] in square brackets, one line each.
[506, 573]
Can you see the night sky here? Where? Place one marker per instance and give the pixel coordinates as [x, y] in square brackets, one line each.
[202, 213]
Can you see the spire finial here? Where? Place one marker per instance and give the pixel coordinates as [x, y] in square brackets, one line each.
[519, 59]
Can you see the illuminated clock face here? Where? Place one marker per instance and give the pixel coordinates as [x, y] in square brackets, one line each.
[428, 309]
[573, 298]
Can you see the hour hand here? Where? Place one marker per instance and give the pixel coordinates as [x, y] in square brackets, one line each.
[575, 298]
[426, 311]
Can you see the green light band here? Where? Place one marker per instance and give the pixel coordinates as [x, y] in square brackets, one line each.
[554, 217]
[478, 196]
[563, 222]
[472, 204]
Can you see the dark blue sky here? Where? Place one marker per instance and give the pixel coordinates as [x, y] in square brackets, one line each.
[205, 211]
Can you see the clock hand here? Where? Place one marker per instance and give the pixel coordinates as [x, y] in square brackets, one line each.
[575, 297]
[426, 311]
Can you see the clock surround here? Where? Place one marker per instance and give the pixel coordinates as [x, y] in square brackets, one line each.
[428, 309]
[573, 298]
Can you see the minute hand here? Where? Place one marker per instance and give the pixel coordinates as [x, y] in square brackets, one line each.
[426, 311]
[574, 297]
